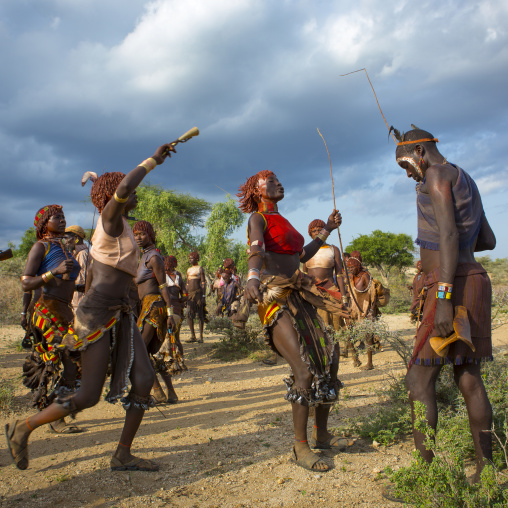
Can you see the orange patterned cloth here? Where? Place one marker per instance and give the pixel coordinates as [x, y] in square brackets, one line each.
[154, 312]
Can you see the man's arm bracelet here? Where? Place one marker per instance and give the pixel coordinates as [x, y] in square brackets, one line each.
[162, 286]
[444, 291]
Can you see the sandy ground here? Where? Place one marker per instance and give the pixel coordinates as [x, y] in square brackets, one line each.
[227, 443]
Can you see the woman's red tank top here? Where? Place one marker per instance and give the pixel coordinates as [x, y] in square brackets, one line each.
[280, 236]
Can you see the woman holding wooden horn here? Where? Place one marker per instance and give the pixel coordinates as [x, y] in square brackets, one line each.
[288, 312]
[105, 328]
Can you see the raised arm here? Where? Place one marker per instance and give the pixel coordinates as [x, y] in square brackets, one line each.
[112, 213]
[334, 221]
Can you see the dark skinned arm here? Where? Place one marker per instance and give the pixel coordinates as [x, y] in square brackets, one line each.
[89, 275]
[255, 232]
[183, 290]
[27, 298]
[157, 265]
[33, 263]
[486, 239]
[339, 270]
[440, 192]
[334, 221]
[112, 213]
[203, 281]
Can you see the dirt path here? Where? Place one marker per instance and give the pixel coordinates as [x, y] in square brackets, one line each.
[225, 444]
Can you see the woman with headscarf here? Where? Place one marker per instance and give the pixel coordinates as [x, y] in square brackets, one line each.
[50, 267]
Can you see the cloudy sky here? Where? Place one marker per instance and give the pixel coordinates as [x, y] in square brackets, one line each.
[94, 85]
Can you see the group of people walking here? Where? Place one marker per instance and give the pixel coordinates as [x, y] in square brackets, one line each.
[299, 288]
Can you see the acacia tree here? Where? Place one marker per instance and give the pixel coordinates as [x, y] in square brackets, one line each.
[385, 251]
[27, 240]
[224, 219]
[174, 217]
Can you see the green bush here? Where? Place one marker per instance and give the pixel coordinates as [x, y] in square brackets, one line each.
[400, 297]
[497, 269]
[443, 483]
[392, 418]
[236, 343]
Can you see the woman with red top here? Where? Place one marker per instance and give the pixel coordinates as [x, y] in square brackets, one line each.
[287, 300]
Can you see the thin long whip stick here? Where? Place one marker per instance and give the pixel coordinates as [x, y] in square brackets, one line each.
[338, 228]
[222, 189]
[375, 96]
[331, 172]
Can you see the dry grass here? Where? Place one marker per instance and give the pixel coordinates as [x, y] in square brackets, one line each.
[11, 300]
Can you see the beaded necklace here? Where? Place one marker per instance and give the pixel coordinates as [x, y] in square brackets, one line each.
[268, 207]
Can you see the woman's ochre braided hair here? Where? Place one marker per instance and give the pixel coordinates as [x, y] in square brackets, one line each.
[316, 223]
[104, 187]
[249, 192]
[145, 227]
[170, 261]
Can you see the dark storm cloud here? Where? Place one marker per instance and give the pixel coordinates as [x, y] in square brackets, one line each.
[103, 84]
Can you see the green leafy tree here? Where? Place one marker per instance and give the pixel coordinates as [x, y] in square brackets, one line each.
[224, 219]
[27, 240]
[239, 255]
[385, 251]
[174, 216]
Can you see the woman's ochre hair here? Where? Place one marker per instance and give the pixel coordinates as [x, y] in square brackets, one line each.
[169, 261]
[316, 223]
[355, 259]
[145, 227]
[104, 188]
[249, 192]
[42, 217]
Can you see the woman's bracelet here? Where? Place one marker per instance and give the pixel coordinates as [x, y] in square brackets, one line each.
[256, 253]
[253, 276]
[149, 164]
[120, 200]
[46, 277]
[323, 235]
[170, 311]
